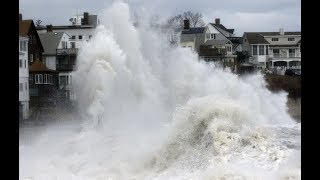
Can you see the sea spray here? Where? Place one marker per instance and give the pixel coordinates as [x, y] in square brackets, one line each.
[151, 111]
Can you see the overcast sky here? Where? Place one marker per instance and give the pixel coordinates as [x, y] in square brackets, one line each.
[241, 15]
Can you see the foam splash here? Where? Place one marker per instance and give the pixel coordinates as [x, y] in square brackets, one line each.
[150, 111]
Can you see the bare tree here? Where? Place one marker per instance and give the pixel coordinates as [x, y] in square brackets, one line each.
[195, 19]
[38, 22]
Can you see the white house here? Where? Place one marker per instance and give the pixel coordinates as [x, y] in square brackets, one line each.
[273, 50]
[82, 29]
[211, 42]
[52, 42]
[59, 55]
[23, 78]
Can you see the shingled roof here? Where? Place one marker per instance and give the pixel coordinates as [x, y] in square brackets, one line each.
[50, 41]
[38, 66]
[24, 27]
[255, 38]
[194, 30]
[222, 27]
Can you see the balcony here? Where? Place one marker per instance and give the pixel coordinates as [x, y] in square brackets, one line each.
[65, 67]
[69, 51]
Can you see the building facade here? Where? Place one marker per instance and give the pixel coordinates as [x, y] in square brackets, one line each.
[210, 42]
[28, 29]
[276, 51]
[23, 78]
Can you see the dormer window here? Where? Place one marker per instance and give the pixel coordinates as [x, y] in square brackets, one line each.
[275, 39]
[290, 39]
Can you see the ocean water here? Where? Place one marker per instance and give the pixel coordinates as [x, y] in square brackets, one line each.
[151, 111]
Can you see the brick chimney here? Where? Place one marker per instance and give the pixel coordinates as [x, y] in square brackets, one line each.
[20, 17]
[186, 24]
[49, 28]
[217, 20]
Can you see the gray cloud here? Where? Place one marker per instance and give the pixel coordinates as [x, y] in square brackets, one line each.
[243, 16]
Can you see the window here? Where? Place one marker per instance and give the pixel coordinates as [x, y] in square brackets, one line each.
[45, 79]
[30, 39]
[261, 49]
[23, 46]
[290, 39]
[292, 53]
[80, 36]
[37, 56]
[183, 46]
[73, 37]
[90, 36]
[254, 50]
[26, 85]
[20, 63]
[274, 39]
[38, 79]
[276, 51]
[190, 47]
[63, 80]
[25, 63]
[31, 79]
[31, 58]
[267, 51]
[20, 87]
[73, 44]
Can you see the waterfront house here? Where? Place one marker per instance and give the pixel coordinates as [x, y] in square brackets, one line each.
[43, 85]
[210, 42]
[60, 56]
[28, 29]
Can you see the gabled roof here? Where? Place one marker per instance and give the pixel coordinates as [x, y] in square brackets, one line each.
[255, 38]
[236, 40]
[278, 33]
[216, 42]
[194, 30]
[24, 27]
[50, 41]
[223, 28]
[38, 66]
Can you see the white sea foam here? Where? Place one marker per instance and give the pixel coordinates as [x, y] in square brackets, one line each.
[150, 111]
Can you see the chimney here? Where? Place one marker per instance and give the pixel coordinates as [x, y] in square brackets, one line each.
[186, 24]
[85, 18]
[281, 31]
[20, 17]
[49, 28]
[217, 20]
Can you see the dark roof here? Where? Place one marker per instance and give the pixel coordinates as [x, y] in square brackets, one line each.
[38, 66]
[50, 41]
[67, 27]
[236, 40]
[255, 38]
[194, 30]
[24, 27]
[278, 33]
[223, 28]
